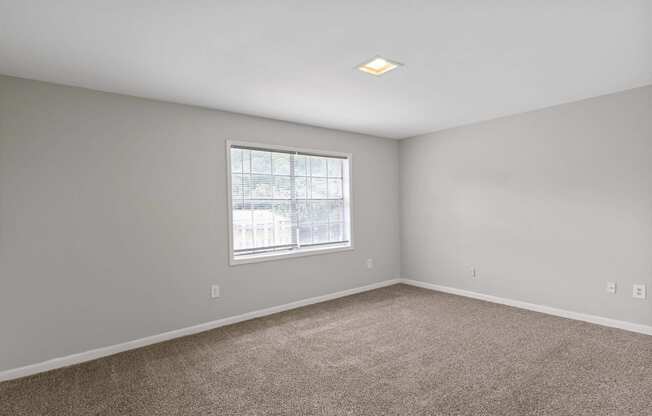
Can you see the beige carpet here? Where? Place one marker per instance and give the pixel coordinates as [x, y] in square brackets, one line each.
[393, 351]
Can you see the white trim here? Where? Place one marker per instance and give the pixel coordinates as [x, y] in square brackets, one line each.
[594, 319]
[267, 146]
[259, 258]
[347, 189]
[142, 342]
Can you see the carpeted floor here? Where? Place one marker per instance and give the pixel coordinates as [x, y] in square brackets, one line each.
[399, 350]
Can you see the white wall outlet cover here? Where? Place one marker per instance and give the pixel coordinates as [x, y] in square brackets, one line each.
[611, 287]
[215, 291]
[370, 263]
[639, 292]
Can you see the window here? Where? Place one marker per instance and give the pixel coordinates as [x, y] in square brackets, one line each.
[287, 202]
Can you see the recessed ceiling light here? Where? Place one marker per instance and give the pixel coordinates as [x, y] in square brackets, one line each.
[378, 66]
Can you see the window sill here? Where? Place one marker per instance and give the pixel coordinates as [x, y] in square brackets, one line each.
[258, 258]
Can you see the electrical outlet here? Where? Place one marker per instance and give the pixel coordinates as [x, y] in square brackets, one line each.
[370, 263]
[474, 273]
[215, 291]
[639, 292]
[611, 287]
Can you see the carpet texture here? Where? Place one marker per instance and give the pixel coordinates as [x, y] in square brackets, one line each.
[399, 350]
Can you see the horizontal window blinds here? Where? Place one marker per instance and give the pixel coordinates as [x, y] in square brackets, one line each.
[282, 200]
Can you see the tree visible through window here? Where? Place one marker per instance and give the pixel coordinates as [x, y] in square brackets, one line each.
[285, 201]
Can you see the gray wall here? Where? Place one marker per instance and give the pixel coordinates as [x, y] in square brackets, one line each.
[113, 220]
[113, 217]
[548, 206]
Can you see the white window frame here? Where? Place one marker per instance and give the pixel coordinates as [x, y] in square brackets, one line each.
[301, 252]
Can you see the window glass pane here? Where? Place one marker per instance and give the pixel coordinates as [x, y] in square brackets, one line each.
[263, 224]
[240, 186]
[283, 199]
[242, 226]
[246, 161]
[282, 187]
[261, 162]
[317, 166]
[335, 188]
[319, 211]
[236, 186]
[335, 168]
[236, 160]
[247, 186]
[320, 234]
[300, 165]
[318, 188]
[261, 187]
[303, 212]
[281, 163]
[336, 231]
[305, 234]
[336, 213]
[282, 223]
[300, 187]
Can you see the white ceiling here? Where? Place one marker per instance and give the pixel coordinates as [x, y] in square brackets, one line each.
[465, 61]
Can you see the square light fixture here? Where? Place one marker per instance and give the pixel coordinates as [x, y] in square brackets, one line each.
[378, 66]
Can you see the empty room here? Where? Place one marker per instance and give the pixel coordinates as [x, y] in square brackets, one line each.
[360, 208]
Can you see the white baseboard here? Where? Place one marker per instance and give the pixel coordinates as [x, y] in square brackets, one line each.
[599, 320]
[130, 345]
[142, 342]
